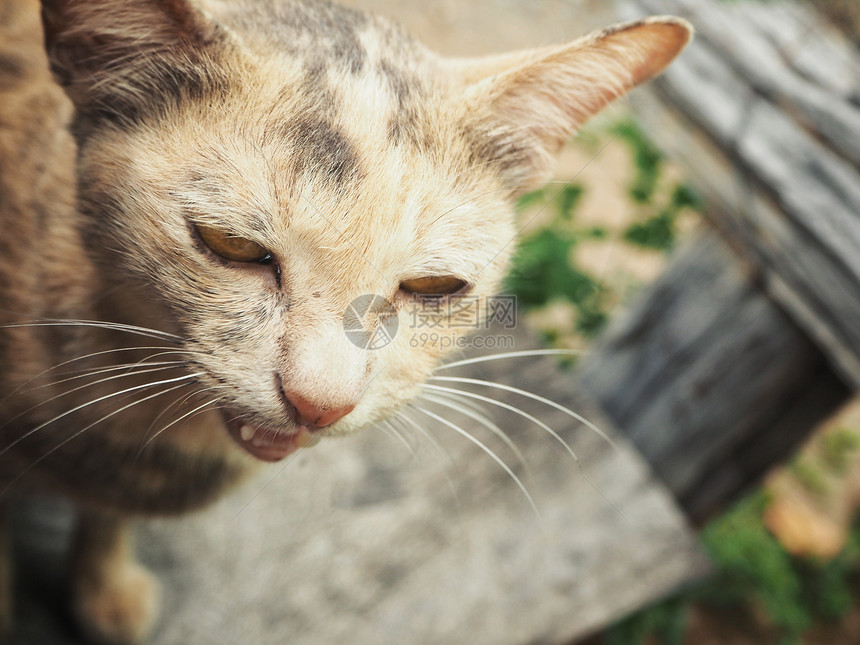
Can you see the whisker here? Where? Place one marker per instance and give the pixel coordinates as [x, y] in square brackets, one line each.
[178, 403]
[93, 355]
[386, 427]
[166, 351]
[484, 421]
[98, 400]
[131, 329]
[124, 372]
[524, 353]
[486, 450]
[96, 371]
[77, 389]
[79, 433]
[174, 422]
[511, 408]
[468, 403]
[402, 416]
[542, 425]
[529, 395]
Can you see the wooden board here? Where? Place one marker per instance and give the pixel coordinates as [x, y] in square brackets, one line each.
[709, 378]
[358, 541]
[773, 142]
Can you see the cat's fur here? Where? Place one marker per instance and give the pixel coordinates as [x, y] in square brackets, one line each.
[355, 156]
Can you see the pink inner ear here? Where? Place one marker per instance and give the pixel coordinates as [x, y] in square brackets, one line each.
[661, 42]
[549, 93]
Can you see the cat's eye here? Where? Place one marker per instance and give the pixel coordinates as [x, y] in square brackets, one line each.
[231, 247]
[443, 285]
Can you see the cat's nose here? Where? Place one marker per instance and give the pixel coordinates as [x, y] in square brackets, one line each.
[309, 414]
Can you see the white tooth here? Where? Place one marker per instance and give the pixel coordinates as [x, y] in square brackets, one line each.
[259, 440]
[246, 432]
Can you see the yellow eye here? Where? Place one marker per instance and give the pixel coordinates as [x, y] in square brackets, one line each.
[443, 285]
[230, 247]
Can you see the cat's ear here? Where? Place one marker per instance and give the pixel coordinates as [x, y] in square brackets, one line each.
[523, 107]
[119, 58]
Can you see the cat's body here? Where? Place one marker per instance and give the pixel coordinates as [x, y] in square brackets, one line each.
[44, 253]
[228, 178]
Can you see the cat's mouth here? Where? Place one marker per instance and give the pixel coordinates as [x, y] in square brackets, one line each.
[267, 444]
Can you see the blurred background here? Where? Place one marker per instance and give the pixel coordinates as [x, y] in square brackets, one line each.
[697, 259]
[755, 142]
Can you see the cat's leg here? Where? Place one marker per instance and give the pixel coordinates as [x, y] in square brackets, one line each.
[6, 570]
[115, 599]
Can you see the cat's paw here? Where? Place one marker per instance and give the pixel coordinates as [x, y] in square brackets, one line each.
[119, 610]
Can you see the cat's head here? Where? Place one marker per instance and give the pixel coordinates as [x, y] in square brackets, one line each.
[282, 176]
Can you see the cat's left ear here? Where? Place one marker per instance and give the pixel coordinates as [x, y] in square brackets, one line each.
[524, 106]
[118, 59]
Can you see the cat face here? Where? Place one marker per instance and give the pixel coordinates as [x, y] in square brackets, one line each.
[267, 173]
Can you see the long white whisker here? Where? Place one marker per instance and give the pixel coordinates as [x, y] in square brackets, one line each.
[124, 373]
[402, 416]
[539, 423]
[511, 408]
[486, 450]
[146, 359]
[113, 377]
[97, 371]
[468, 403]
[386, 427]
[174, 422]
[131, 329]
[64, 363]
[178, 403]
[98, 400]
[82, 431]
[484, 421]
[529, 395]
[496, 357]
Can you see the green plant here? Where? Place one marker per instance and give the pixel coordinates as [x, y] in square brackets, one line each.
[647, 160]
[666, 622]
[751, 563]
[752, 569]
[542, 269]
[654, 230]
[839, 447]
[811, 475]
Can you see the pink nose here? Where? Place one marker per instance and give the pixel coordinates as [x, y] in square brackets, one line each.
[308, 414]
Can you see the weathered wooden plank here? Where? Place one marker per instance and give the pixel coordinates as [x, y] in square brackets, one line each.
[768, 68]
[808, 44]
[712, 382]
[358, 542]
[789, 202]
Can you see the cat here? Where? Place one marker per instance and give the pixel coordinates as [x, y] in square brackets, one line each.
[192, 195]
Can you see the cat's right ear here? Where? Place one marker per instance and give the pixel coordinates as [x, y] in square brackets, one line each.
[119, 59]
[522, 107]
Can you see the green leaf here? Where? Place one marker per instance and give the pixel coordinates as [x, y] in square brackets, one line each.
[685, 196]
[655, 233]
[648, 161]
[568, 199]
